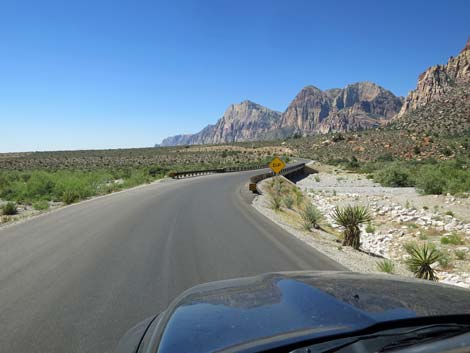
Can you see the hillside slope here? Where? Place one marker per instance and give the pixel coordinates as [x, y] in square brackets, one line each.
[441, 101]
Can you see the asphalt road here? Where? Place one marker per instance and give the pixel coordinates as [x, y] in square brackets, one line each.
[76, 279]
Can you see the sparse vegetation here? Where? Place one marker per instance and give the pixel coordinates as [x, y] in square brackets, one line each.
[70, 176]
[452, 239]
[276, 202]
[444, 261]
[350, 217]
[288, 201]
[370, 228]
[422, 257]
[299, 197]
[460, 254]
[386, 266]
[41, 205]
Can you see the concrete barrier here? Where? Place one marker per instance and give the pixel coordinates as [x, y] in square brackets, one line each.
[193, 173]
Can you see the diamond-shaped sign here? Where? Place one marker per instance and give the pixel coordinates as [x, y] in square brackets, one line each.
[277, 165]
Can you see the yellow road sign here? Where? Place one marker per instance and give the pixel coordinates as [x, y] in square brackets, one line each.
[277, 165]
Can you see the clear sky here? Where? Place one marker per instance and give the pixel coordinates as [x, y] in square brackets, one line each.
[106, 74]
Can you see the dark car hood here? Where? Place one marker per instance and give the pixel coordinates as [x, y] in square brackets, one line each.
[224, 314]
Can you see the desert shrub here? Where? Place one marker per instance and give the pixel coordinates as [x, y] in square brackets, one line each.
[431, 181]
[288, 201]
[350, 217]
[276, 202]
[386, 266]
[444, 261]
[460, 254]
[310, 216]
[74, 188]
[421, 259]
[299, 196]
[370, 228]
[386, 157]
[394, 175]
[9, 209]
[449, 213]
[444, 177]
[41, 205]
[452, 239]
[353, 163]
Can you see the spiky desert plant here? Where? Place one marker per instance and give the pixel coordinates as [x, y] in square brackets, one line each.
[386, 266]
[276, 202]
[299, 196]
[350, 218]
[310, 216]
[422, 257]
[288, 201]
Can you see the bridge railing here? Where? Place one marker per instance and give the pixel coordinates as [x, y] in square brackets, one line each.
[291, 170]
[193, 173]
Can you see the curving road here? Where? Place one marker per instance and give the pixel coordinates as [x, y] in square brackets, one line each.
[76, 279]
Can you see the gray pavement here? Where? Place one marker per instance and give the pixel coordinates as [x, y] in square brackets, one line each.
[76, 279]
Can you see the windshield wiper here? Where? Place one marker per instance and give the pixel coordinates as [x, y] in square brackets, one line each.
[425, 335]
[394, 339]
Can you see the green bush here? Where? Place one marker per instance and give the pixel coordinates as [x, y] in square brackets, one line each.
[453, 239]
[370, 228]
[41, 205]
[386, 266]
[310, 216]
[350, 217]
[431, 181]
[422, 257]
[444, 261]
[9, 209]
[353, 163]
[394, 176]
[460, 254]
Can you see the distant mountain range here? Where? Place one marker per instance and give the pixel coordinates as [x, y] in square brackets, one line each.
[441, 100]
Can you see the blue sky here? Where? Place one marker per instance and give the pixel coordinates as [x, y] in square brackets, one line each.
[107, 74]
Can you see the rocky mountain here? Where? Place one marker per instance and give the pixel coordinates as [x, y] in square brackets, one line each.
[441, 100]
[246, 121]
[358, 106]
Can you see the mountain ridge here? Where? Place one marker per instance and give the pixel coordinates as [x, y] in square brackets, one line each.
[358, 106]
[441, 100]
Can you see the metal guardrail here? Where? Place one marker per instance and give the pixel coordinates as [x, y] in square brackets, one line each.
[193, 173]
[254, 180]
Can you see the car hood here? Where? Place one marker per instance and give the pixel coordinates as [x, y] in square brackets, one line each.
[231, 313]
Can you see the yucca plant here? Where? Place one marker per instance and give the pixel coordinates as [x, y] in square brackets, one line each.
[350, 218]
[422, 257]
[386, 266]
[310, 216]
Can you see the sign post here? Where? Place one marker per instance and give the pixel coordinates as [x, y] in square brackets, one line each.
[277, 165]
